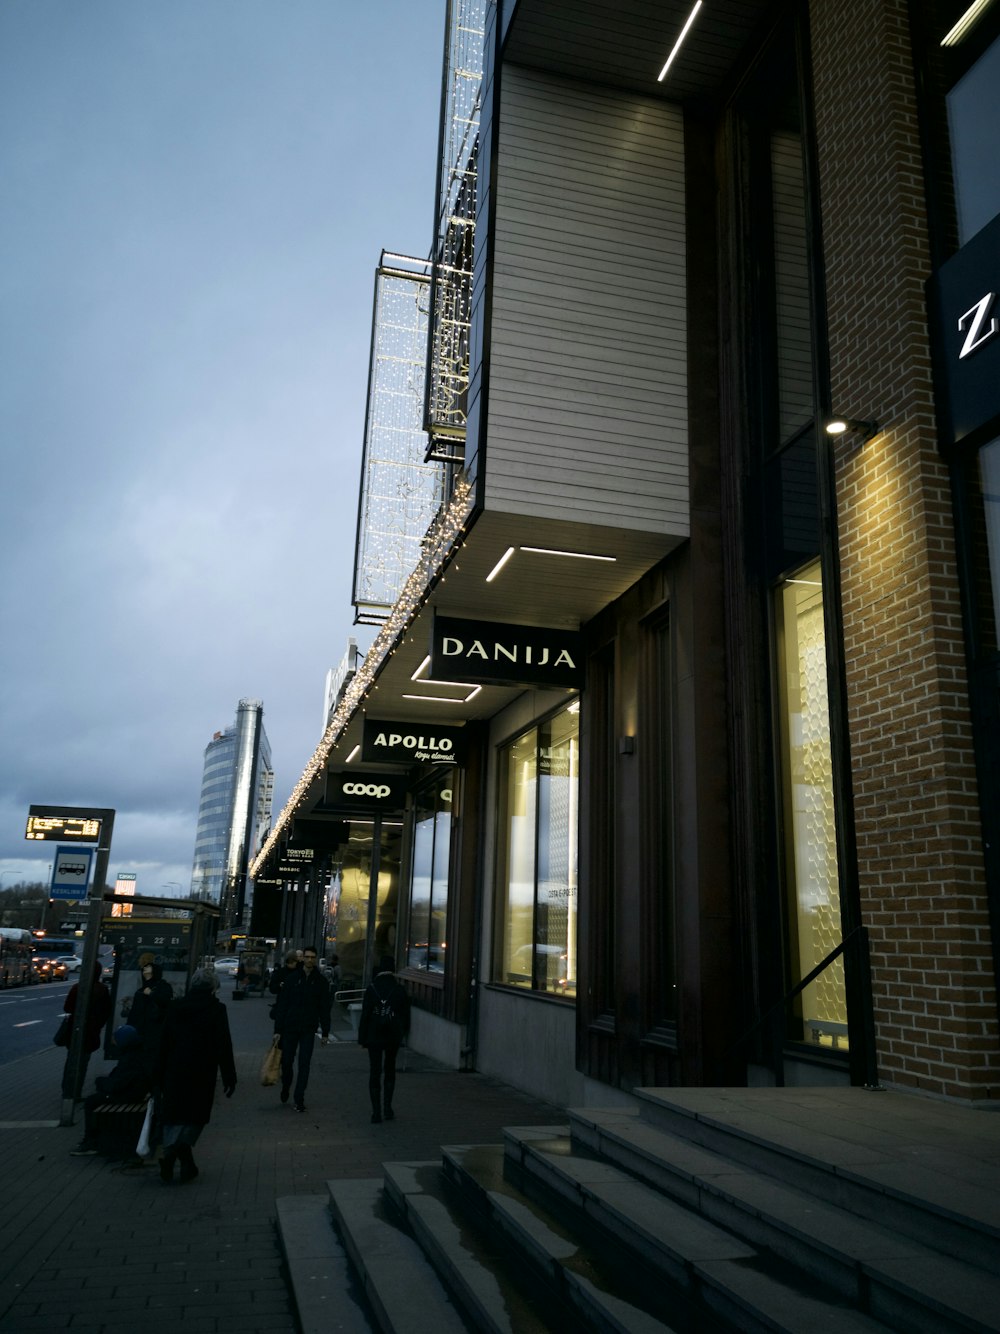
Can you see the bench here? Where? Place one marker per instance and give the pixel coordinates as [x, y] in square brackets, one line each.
[118, 1125]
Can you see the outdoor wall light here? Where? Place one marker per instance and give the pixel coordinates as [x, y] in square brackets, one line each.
[864, 430]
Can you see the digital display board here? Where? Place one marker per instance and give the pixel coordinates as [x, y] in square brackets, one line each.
[51, 823]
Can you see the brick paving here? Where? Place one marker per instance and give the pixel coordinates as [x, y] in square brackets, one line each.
[90, 1247]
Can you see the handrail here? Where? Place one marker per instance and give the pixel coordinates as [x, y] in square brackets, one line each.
[868, 1065]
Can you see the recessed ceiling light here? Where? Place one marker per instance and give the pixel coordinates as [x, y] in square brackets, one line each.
[965, 23]
[677, 45]
[579, 555]
[499, 565]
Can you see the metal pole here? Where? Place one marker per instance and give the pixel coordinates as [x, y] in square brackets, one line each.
[88, 962]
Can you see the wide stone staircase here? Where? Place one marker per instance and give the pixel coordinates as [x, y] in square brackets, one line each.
[692, 1211]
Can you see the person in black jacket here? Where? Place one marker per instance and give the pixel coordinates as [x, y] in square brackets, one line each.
[385, 1022]
[195, 1048]
[128, 1081]
[98, 1014]
[147, 1009]
[303, 1005]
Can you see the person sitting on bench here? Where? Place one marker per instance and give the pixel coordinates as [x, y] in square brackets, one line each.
[128, 1082]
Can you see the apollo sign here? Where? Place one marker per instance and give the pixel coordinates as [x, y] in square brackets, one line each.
[965, 310]
[403, 743]
[494, 653]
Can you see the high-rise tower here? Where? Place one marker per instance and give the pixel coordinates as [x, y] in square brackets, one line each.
[234, 812]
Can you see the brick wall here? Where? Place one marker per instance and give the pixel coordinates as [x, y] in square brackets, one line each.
[919, 838]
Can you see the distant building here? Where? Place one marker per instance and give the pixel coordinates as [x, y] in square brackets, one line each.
[234, 811]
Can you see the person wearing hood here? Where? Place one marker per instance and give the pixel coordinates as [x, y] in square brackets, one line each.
[148, 1008]
[128, 1081]
[195, 1048]
[98, 1014]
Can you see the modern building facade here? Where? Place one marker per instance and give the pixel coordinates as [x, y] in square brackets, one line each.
[234, 813]
[676, 759]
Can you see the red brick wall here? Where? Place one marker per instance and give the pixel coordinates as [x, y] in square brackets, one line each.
[919, 839]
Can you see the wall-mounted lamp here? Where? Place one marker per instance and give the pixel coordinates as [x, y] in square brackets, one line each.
[864, 430]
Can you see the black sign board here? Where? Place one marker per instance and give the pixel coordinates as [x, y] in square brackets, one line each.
[371, 792]
[964, 297]
[407, 743]
[493, 653]
[70, 824]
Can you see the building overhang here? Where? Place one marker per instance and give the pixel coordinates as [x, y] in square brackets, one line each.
[626, 43]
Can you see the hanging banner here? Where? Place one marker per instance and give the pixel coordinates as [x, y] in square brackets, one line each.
[357, 792]
[494, 653]
[406, 743]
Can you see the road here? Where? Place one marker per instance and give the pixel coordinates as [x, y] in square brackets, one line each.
[29, 1017]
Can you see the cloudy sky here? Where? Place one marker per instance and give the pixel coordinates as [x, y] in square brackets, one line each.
[194, 197]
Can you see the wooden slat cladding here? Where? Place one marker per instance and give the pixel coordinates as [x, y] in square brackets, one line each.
[588, 383]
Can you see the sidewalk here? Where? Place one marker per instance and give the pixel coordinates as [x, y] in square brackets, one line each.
[88, 1247]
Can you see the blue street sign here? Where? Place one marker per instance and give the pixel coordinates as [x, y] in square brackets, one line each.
[71, 873]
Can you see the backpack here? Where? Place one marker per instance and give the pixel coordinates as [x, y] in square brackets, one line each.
[386, 1028]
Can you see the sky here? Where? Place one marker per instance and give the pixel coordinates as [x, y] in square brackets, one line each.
[193, 198]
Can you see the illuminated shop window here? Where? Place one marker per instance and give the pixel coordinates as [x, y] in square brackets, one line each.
[537, 872]
[809, 820]
[426, 938]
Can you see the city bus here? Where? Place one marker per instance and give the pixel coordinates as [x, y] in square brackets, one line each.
[16, 948]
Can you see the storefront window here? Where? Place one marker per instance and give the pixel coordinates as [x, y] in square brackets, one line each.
[989, 481]
[537, 880]
[370, 864]
[426, 938]
[974, 122]
[809, 819]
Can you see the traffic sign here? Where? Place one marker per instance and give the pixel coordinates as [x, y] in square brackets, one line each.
[71, 873]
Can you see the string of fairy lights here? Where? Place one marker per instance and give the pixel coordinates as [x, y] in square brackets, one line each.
[442, 543]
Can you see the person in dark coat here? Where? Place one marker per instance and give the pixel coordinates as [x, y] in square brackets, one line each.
[303, 1005]
[195, 1048]
[281, 975]
[128, 1081]
[148, 1009]
[98, 1014]
[385, 1022]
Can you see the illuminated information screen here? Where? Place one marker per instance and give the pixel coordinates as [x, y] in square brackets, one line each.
[67, 825]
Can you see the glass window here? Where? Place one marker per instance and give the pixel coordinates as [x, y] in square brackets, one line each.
[809, 821]
[537, 880]
[974, 122]
[427, 931]
[989, 493]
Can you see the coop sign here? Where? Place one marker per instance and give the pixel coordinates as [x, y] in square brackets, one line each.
[403, 743]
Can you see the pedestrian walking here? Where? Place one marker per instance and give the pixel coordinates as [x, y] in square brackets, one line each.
[196, 1048]
[385, 1023]
[281, 975]
[127, 1081]
[98, 1014]
[303, 1005]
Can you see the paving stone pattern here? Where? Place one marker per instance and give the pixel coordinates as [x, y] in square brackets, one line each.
[90, 1247]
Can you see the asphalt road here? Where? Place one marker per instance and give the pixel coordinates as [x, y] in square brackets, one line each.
[29, 1017]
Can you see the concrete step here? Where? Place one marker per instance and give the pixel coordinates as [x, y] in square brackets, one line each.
[584, 1291]
[326, 1298]
[472, 1266]
[899, 1281]
[708, 1267]
[868, 1164]
[401, 1287]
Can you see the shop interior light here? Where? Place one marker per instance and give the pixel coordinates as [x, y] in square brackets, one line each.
[677, 45]
[965, 24]
[500, 564]
[837, 425]
[578, 555]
